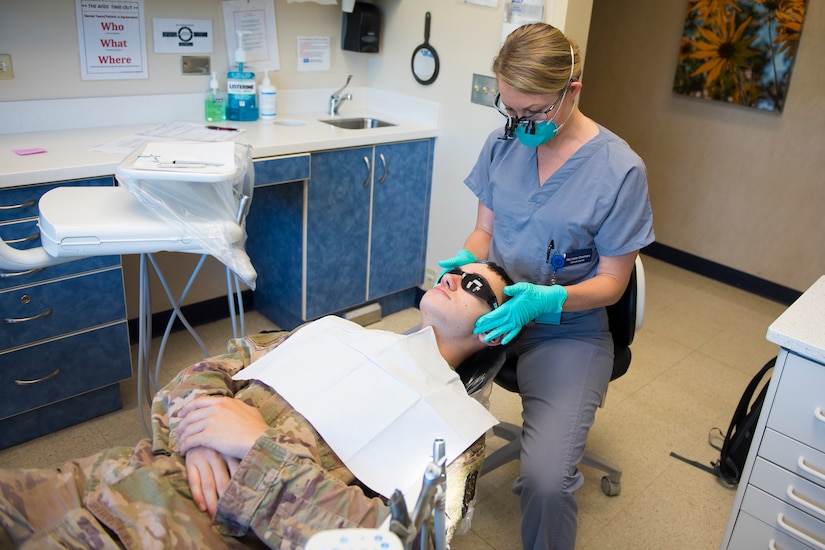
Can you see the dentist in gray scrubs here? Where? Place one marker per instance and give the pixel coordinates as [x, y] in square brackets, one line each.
[563, 206]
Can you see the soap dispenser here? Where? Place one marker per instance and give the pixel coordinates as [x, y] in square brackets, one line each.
[240, 86]
[215, 103]
[267, 96]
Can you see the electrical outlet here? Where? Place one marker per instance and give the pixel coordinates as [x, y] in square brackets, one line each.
[6, 69]
[429, 278]
[485, 90]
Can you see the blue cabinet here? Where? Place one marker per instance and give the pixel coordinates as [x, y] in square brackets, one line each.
[64, 344]
[353, 232]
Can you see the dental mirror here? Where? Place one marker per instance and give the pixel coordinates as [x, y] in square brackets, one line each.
[424, 59]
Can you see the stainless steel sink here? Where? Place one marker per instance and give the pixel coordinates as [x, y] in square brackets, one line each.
[359, 123]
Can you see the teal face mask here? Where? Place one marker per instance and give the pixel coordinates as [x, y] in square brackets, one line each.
[533, 134]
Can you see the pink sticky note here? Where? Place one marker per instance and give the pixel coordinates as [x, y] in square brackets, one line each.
[29, 151]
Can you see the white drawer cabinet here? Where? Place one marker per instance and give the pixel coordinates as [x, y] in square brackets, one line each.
[780, 502]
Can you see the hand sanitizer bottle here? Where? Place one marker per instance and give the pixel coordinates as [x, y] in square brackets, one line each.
[240, 86]
[267, 96]
[215, 103]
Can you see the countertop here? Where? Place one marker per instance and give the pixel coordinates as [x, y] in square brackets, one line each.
[298, 130]
[801, 328]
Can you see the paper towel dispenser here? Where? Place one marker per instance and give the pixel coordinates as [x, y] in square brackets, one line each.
[360, 30]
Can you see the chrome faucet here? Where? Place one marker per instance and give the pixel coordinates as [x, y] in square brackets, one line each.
[336, 99]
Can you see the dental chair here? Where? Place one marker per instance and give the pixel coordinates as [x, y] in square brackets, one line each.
[625, 318]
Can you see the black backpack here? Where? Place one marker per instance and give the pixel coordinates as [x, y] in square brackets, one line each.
[737, 442]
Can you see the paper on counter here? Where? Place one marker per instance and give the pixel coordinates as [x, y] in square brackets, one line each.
[184, 131]
[379, 399]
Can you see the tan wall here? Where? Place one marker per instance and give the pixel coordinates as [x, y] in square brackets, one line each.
[733, 185]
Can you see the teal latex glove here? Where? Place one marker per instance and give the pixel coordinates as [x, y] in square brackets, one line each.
[463, 257]
[528, 302]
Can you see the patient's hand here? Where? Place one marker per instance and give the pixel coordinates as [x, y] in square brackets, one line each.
[208, 475]
[223, 424]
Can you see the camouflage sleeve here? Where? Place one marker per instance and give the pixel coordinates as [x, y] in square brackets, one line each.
[283, 496]
[211, 376]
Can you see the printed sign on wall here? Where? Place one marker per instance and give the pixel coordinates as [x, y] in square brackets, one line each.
[112, 39]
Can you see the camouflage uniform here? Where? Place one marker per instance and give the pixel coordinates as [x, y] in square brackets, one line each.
[289, 486]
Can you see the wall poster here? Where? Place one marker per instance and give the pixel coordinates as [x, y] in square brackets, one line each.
[739, 51]
[112, 39]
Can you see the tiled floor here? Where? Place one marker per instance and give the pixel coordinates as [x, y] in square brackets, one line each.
[700, 344]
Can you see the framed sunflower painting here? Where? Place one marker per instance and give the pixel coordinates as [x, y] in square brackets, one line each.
[739, 51]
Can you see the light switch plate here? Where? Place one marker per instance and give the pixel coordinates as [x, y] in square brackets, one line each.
[194, 64]
[6, 69]
[485, 90]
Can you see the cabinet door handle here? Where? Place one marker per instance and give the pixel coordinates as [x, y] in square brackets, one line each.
[13, 320]
[52, 374]
[798, 533]
[805, 502]
[819, 415]
[773, 546]
[384, 164]
[812, 470]
[367, 180]
[17, 206]
[32, 237]
[10, 274]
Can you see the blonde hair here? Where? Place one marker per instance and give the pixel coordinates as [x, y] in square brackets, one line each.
[535, 59]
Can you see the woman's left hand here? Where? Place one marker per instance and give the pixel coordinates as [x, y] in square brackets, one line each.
[528, 302]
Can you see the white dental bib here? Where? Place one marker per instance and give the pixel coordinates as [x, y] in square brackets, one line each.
[379, 399]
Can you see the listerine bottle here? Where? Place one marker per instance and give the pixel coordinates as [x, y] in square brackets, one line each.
[240, 87]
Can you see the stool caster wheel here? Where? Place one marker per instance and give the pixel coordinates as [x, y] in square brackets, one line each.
[611, 488]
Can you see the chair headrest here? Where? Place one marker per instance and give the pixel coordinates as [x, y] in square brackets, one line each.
[481, 367]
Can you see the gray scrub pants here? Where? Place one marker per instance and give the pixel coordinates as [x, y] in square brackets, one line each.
[563, 371]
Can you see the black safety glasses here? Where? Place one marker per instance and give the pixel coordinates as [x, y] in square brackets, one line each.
[476, 285]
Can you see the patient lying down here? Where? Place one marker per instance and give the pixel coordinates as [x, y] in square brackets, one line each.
[231, 464]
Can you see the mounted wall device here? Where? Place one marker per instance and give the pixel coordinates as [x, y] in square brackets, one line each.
[361, 29]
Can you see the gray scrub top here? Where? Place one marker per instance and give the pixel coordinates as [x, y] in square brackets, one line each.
[596, 204]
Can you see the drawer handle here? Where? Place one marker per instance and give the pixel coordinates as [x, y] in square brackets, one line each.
[10, 274]
[369, 171]
[819, 415]
[17, 206]
[798, 533]
[805, 502]
[54, 373]
[32, 237]
[812, 470]
[384, 163]
[13, 320]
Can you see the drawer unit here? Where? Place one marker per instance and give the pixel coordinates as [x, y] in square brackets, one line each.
[270, 171]
[802, 460]
[783, 518]
[751, 533]
[791, 489]
[43, 311]
[35, 376]
[799, 408]
[64, 343]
